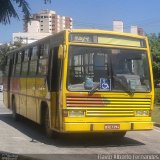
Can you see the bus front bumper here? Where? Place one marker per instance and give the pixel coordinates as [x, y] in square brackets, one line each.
[107, 127]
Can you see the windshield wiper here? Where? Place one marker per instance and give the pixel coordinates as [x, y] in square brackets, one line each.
[121, 82]
[124, 85]
[94, 89]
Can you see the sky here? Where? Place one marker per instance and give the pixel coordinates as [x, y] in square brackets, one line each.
[97, 14]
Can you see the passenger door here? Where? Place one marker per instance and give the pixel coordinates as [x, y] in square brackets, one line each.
[53, 85]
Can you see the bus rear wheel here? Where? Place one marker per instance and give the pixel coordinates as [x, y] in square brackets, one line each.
[14, 112]
[48, 131]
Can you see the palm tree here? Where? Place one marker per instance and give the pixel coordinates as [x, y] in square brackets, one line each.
[7, 9]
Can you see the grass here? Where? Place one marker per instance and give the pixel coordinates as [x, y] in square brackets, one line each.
[156, 114]
[157, 95]
[156, 111]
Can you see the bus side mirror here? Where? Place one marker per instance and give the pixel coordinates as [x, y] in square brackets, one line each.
[61, 51]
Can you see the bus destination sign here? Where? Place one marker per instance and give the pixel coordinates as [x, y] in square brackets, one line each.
[107, 39]
[83, 38]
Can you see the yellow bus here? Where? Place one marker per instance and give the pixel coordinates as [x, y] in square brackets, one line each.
[82, 81]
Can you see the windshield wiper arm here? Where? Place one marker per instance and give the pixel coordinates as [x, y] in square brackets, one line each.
[124, 85]
[94, 88]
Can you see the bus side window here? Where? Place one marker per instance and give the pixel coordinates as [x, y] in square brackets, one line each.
[26, 55]
[43, 50]
[15, 59]
[13, 64]
[34, 53]
[6, 69]
[43, 59]
[18, 63]
[43, 66]
[20, 54]
[33, 61]
[25, 59]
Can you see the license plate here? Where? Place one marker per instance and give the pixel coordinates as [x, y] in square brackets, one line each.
[112, 126]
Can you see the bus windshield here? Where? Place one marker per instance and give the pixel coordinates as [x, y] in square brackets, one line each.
[106, 69]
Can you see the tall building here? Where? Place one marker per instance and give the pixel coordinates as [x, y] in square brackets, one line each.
[118, 26]
[41, 25]
[47, 21]
[137, 30]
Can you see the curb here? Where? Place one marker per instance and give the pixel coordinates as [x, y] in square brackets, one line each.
[157, 124]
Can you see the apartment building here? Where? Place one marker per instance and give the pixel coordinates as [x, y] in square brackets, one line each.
[41, 25]
[49, 22]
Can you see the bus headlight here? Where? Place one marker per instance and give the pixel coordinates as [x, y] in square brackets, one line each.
[142, 113]
[78, 113]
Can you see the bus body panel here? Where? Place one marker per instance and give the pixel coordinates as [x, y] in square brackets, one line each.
[101, 127]
[23, 97]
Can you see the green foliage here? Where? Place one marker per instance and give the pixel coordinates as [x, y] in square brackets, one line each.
[7, 9]
[4, 49]
[154, 41]
[157, 95]
[3, 53]
[156, 114]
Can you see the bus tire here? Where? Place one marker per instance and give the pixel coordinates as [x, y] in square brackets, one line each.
[118, 135]
[14, 112]
[48, 131]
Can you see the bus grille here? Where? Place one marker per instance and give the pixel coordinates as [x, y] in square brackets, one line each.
[108, 106]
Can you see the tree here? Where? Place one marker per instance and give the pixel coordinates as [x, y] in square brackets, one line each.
[7, 9]
[4, 49]
[3, 52]
[154, 41]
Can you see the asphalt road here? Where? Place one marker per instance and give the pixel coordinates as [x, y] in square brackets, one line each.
[25, 137]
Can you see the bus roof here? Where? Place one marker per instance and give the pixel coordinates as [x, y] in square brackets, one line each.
[91, 31]
[98, 31]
